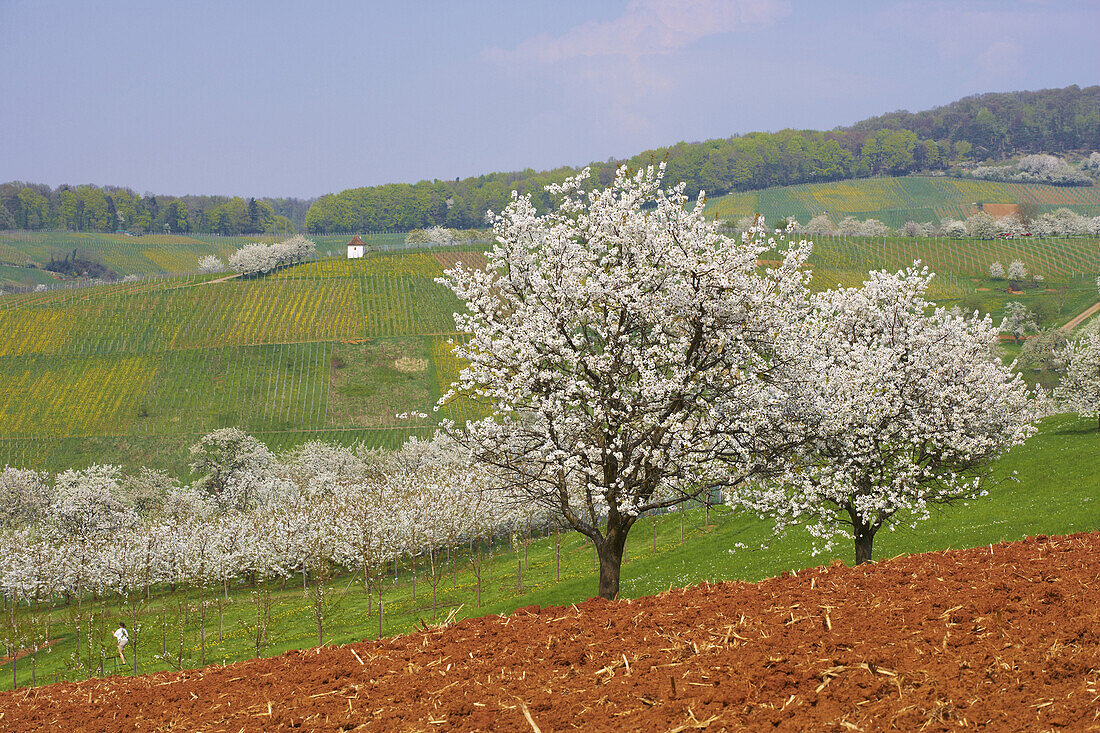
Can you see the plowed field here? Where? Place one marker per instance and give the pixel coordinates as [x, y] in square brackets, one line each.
[1005, 637]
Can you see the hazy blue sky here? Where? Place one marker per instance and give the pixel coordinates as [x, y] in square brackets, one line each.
[304, 98]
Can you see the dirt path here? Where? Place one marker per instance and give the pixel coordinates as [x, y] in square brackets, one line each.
[1076, 320]
[220, 279]
[1003, 638]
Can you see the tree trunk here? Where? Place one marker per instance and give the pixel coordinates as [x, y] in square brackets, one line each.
[369, 587]
[557, 555]
[864, 536]
[202, 626]
[610, 552]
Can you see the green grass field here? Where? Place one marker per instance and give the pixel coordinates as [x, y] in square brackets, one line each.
[895, 201]
[1051, 485]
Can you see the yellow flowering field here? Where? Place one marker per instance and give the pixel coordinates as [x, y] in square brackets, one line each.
[68, 397]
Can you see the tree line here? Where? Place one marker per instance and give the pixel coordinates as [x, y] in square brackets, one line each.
[90, 208]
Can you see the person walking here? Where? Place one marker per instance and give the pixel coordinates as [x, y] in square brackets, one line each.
[122, 636]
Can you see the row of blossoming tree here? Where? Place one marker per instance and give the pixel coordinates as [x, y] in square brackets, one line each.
[1062, 222]
[251, 518]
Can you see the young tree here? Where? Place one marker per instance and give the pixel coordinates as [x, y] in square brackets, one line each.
[85, 506]
[147, 492]
[997, 271]
[625, 352]
[1046, 351]
[1016, 271]
[902, 409]
[25, 497]
[1079, 389]
[981, 226]
[952, 228]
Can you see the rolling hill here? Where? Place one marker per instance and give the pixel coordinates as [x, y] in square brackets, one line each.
[896, 200]
[133, 372]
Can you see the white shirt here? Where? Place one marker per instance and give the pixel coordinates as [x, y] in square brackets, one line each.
[121, 635]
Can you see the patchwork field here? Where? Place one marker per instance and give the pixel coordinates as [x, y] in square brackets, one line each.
[898, 200]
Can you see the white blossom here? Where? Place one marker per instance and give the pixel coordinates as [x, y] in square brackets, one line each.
[1016, 270]
[1018, 320]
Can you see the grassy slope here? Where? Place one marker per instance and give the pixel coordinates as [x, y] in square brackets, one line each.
[897, 200]
[1056, 491]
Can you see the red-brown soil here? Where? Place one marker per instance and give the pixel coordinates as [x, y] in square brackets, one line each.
[996, 638]
[999, 210]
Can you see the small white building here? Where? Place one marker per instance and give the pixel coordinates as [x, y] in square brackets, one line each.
[356, 248]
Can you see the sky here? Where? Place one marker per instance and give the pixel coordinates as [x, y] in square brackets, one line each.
[301, 99]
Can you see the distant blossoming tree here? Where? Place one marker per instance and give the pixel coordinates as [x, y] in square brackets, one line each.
[1079, 389]
[259, 259]
[820, 224]
[234, 468]
[211, 263]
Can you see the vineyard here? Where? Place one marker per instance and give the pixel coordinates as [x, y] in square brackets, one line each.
[1067, 266]
[140, 369]
[895, 201]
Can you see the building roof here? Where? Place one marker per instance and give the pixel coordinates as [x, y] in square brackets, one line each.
[356, 242]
